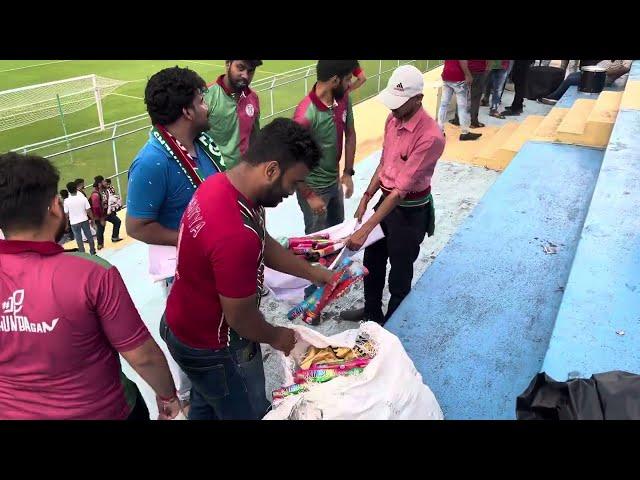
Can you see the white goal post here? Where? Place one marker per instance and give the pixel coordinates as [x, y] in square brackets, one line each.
[26, 105]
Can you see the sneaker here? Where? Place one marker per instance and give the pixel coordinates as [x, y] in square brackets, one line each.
[116, 240]
[469, 136]
[484, 102]
[100, 247]
[495, 114]
[477, 125]
[548, 101]
[455, 122]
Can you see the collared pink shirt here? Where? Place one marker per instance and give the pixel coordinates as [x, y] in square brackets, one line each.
[410, 151]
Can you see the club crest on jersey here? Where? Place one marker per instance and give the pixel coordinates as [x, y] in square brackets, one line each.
[249, 110]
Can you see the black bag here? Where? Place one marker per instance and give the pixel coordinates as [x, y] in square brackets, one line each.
[541, 81]
[605, 396]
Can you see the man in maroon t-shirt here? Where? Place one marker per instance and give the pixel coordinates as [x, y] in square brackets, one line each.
[457, 80]
[213, 326]
[64, 317]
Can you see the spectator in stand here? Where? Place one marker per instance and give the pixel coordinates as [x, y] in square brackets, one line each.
[615, 69]
[68, 233]
[497, 77]
[457, 80]
[80, 186]
[99, 206]
[478, 69]
[80, 217]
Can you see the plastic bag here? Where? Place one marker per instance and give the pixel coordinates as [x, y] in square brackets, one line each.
[389, 387]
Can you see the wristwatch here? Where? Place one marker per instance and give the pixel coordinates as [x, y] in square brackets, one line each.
[351, 172]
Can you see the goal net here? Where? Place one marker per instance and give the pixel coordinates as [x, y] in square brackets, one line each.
[26, 105]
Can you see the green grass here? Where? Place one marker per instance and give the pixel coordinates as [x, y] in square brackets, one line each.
[127, 102]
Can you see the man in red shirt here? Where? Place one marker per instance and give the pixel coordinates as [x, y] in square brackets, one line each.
[213, 325]
[457, 80]
[412, 145]
[64, 317]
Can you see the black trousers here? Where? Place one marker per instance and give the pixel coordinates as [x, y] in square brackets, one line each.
[115, 221]
[404, 230]
[519, 75]
[477, 87]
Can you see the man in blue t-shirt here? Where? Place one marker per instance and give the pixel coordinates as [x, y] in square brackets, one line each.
[159, 188]
[167, 170]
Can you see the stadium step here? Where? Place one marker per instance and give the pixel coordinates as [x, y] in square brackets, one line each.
[547, 129]
[590, 122]
[487, 152]
[477, 323]
[514, 143]
[631, 97]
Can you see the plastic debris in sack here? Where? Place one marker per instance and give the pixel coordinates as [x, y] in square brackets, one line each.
[325, 372]
[346, 274]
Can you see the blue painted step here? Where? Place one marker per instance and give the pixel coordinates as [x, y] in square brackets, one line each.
[603, 291]
[477, 324]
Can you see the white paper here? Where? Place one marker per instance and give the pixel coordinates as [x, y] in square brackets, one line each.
[162, 261]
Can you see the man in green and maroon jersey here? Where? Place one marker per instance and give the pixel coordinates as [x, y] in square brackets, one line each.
[327, 111]
[234, 109]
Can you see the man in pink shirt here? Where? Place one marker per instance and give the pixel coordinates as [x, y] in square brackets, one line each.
[413, 143]
[65, 317]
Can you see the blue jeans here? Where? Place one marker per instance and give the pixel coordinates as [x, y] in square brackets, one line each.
[334, 215]
[227, 384]
[573, 79]
[497, 77]
[77, 230]
[461, 91]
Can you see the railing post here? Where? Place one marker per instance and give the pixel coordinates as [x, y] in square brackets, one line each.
[273, 83]
[115, 159]
[379, 74]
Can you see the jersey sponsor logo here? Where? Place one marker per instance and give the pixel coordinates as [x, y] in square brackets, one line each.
[194, 220]
[250, 110]
[11, 321]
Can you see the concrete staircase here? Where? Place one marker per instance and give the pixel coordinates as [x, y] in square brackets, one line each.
[588, 122]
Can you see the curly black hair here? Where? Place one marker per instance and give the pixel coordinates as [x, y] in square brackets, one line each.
[285, 141]
[28, 183]
[169, 91]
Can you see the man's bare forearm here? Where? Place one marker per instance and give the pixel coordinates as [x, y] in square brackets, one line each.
[150, 363]
[151, 232]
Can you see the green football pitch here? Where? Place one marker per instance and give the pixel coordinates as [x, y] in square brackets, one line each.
[127, 101]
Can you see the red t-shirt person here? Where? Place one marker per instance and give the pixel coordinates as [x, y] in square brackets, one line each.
[220, 252]
[63, 319]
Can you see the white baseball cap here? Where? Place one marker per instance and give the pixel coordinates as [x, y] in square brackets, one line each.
[406, 82]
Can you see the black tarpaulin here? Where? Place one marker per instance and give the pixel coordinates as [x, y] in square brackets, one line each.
[605, 396]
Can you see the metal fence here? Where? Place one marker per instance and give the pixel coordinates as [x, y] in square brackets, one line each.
[109, 152]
